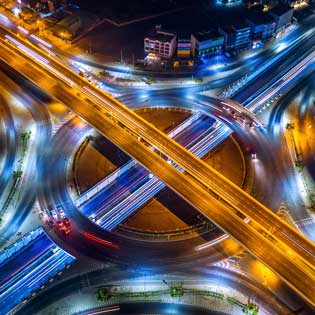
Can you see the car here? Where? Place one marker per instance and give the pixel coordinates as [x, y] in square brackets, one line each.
[66, 221]
[66, 230]
[54, 214]
[249, 148]
[60, 224]
[61, 212]
[50, 222]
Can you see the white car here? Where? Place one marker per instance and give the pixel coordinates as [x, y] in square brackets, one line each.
[54, 214]
[61, 212]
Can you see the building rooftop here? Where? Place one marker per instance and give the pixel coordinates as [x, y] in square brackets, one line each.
[161, 36]
[233, 28]
[240, 25]
[71, 17]
[31, 3]
[280, 10]
[201, 36]
[228, 29]
[258, 18]
[183, 35]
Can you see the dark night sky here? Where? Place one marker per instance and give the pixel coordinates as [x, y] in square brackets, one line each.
[124, 6]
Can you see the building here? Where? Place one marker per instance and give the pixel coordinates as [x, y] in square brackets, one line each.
[73, 24]
[29, 3]
[53, 5]
[262, 26]
[69, 27]
[282, 16]
[229, 2]
[44, 5]
[236, 36]
[296, 3]
[206, 43]
[160, 43]
[183, 46]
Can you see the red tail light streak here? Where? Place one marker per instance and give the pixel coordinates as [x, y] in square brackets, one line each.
[100, 241]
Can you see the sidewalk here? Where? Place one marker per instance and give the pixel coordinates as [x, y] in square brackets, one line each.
[86, 299]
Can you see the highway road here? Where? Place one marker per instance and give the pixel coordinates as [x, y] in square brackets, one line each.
[55, 192]
[157, 308]
[214, 137]
[296, 107]
[260, 141]
[187, 166]
[195, 168]
[208, 140]
[137, 176]
[61, 199]
[42, 129]
[213, 277]
[28, 269]
[8, 144]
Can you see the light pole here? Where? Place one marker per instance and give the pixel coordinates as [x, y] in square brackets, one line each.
[121, 56]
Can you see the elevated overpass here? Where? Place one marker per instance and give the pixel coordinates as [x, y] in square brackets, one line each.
[253, 225]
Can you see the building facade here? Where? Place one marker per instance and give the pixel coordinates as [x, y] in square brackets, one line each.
[183, 46]
[204, 44]
[282, 16]
[50, 5]
[229, 2]
[262, 26]
[236, 36]
[160, 43]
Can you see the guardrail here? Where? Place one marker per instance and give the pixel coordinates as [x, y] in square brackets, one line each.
[17, 174]
[174, 291]
[181, 233]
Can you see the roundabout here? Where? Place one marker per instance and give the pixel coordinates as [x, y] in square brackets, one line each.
[166, 216]
[121, 205]
[57, 193]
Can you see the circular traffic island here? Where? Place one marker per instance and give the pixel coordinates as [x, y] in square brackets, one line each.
[164, 216]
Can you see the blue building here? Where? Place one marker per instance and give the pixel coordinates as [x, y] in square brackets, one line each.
[236, 36]
[262, 26]
[228, 3]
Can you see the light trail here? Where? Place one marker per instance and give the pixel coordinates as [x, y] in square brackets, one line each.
[28, 263]
[203, 177]
[41, 41]
[23, 30]
[27, 50]
[102, 311]
[100, 240]
[211, 243]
